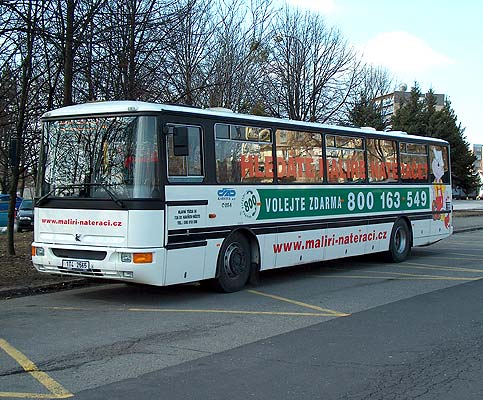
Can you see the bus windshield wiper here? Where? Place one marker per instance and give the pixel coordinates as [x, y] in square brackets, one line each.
[113, 197]
[40, 201]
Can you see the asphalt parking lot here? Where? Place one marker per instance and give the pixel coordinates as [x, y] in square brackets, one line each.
[87, 338]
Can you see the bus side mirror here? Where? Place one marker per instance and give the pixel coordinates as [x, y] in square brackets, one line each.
[180, 141]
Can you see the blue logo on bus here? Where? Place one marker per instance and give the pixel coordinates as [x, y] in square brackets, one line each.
[226, 194]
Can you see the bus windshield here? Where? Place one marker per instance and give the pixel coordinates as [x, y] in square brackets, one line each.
[112, 157]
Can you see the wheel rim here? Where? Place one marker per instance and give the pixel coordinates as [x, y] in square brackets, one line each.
[400, 240]
[234, 261]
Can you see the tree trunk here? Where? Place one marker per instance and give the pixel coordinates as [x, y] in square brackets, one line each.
[69, 53]
[20, 127]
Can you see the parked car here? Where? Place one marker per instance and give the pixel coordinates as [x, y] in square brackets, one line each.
[4, 203]
[25, 216]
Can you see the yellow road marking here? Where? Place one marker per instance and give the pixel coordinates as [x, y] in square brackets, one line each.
[200, 311]
[56, 389]
[458, 258]
[437, 267]
[466, 256]
[20, 395]
[298, 314]
[396, 278]
[465, 243]
[299, 303]
[451, 278]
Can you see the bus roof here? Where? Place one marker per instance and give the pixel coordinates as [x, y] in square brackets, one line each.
[128, 107]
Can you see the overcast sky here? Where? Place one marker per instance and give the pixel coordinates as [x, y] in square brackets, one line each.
[438, 43]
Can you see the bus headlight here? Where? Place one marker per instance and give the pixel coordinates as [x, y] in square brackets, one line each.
[38, 251]
[126, 257]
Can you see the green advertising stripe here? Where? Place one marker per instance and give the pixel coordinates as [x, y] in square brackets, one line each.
[291, 203]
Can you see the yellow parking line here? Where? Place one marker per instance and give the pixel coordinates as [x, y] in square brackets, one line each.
[396, 278]
[20, 395]
[56, 389]
[466, 256]
[465, 243]
[450, 278]
[296, 314]
[200, 311]
[458, 258]
[364, 277]
[299, 303]
[437, 267]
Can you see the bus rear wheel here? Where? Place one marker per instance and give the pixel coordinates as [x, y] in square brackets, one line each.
[234, 263]
[400, 244]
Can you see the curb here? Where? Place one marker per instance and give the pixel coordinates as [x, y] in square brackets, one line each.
[21, 291]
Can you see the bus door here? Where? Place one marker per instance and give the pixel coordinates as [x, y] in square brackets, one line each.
[185, 210]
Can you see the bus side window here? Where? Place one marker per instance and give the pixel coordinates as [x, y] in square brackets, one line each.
[186, 167]
[438, 164]
[382, 161]
[414, 162]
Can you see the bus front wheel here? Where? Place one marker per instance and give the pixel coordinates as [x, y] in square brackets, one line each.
[234, 263]
[400, 244]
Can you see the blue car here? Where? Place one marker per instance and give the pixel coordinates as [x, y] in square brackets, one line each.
[4, 201]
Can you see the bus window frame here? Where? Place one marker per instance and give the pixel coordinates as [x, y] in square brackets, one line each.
[325, 148]
[231, 124]
[398, 163]
[277, 178]
[401, 180]
[185, 179]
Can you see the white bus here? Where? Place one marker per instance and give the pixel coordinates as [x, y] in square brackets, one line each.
[161, 194]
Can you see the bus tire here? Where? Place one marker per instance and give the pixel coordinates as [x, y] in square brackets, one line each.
[400, 244]
[234, 264]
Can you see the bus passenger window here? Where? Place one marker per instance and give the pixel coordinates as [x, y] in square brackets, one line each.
[382, 161]
[299, 157]
[414, 162]
[345, 159]
[190, 167]
[245, 156]
[438, 161]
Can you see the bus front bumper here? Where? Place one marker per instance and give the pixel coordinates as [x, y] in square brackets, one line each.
[140, 265]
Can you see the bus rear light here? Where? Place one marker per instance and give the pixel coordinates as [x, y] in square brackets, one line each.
[142, 258]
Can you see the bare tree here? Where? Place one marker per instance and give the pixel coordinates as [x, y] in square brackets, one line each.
[361, 108]
[123, 56]
[238, 57]
[23, 26]
[187, 65]
[311, 70]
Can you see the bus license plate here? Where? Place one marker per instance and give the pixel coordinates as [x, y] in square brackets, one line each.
[75, 264]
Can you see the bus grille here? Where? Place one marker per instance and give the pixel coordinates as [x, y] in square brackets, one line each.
[80, 254]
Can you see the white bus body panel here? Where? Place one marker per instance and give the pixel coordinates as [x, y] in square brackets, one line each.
[103, 231]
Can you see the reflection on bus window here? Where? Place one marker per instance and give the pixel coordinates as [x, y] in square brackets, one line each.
[243, 156]
[190, 167]
[414, 162]
[382, 160]
[345, 159]
[299, 157]
[95, 156]
[438, 161]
